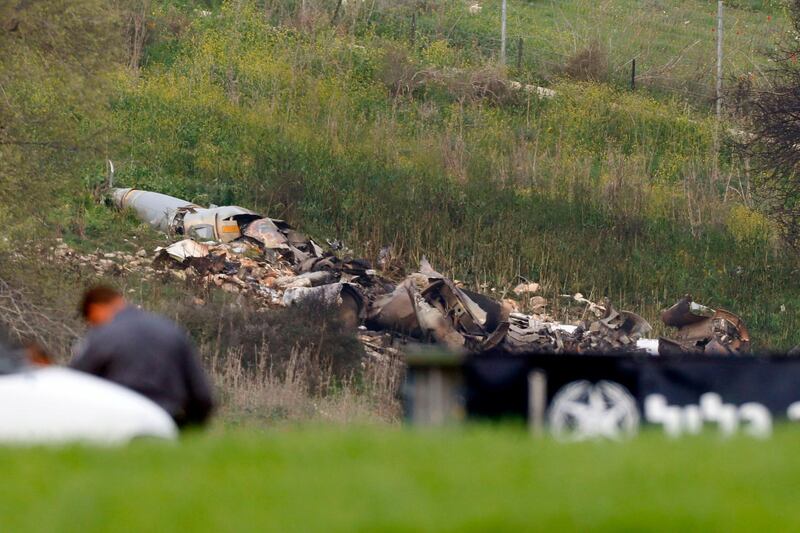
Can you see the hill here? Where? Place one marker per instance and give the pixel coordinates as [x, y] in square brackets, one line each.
[363, 136]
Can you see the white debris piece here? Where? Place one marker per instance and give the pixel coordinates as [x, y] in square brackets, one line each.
[648, 345]
[524, 288]
[185, 248]
[328, 294]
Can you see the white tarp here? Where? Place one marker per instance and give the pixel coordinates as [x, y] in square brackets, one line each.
[57, 405]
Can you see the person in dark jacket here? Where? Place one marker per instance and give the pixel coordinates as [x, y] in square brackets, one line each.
[143, 352]
[11, 356]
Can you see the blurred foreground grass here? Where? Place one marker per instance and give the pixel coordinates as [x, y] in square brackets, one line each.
[379, 479]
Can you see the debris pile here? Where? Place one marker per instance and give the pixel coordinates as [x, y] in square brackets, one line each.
[106, 263]
[609, 331]
[429, 306]
[528, 334]
[242, 252]
[233, 267]
[702, 330]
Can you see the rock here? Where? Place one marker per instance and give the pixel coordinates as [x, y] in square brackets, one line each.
[526, 288]
[230, 287]
[538, 304]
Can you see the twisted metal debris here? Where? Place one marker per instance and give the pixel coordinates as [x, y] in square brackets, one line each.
[240, 251]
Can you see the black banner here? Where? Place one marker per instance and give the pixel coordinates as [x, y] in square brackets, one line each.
[611, 396]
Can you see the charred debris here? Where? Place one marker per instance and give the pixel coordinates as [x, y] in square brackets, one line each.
[240, 251]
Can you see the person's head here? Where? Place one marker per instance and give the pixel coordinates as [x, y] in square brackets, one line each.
[37, 354]
[100, 305]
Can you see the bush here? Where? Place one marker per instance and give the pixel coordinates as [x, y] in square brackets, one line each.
[589, 64]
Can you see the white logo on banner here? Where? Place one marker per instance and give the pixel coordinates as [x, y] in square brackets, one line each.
[754, 418]
[582, 410]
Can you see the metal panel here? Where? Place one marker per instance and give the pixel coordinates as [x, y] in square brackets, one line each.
[156, 209]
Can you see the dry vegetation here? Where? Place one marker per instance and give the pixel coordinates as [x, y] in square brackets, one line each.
[258, 393]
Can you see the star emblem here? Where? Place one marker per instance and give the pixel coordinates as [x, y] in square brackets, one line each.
[582, 410]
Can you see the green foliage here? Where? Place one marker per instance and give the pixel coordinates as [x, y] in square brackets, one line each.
[55, 78]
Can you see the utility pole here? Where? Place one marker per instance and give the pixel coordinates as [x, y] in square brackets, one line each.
[503, 34]
[715, 170]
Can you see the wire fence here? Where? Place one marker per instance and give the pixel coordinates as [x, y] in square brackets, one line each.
[688, 74]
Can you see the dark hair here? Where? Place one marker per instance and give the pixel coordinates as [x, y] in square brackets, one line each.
[99, 294]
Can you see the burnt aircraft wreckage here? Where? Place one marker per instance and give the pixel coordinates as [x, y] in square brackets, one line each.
[241, 251]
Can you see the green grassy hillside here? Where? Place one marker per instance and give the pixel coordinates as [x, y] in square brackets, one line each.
[357, 128]
[355, 132]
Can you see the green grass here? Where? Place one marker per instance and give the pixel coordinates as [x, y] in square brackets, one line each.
[371, 479]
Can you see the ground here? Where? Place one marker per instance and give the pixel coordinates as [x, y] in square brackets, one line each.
[494, 478]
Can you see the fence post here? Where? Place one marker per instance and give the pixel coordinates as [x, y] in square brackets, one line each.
[519, 54]
[503, 34]
[336, 12]
[633, 74]
[718, 99]
[413, 29]
[433, 388]
[537, 401]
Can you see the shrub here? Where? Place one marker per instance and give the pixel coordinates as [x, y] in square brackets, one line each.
[589, 64]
